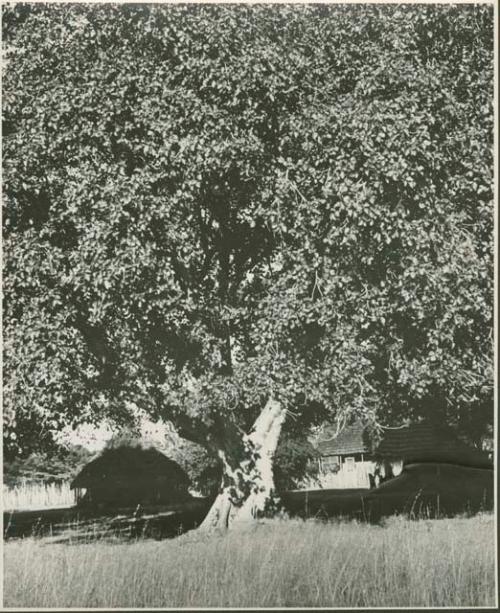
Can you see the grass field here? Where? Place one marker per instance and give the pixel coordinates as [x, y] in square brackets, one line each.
[448, 562]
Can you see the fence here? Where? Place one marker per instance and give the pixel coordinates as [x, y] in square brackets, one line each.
[34, 496]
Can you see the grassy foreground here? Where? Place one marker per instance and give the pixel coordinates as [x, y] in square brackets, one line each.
[448, 562]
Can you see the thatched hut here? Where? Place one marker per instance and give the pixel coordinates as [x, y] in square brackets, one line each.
[427, 442]
[126, 476]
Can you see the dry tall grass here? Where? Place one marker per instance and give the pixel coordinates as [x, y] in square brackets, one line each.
[37, 496]
[276, 564]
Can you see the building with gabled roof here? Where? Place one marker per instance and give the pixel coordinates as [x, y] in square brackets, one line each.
[346, 459]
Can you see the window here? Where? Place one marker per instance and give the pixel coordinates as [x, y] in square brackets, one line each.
[349, 463]
[330, 464]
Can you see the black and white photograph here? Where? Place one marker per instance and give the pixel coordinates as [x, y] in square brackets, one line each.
[249, 259]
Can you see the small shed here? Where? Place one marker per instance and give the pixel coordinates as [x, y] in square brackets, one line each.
[128, 476]
[346, 459]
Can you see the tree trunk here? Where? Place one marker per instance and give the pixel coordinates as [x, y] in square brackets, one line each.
[248, 486]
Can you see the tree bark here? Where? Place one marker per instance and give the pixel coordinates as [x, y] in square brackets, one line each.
[247, 487]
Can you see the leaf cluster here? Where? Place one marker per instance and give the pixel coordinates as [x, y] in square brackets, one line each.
[207, 204]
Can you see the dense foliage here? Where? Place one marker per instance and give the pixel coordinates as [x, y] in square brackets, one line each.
[40, 466]
[204, 205]
[295, 462]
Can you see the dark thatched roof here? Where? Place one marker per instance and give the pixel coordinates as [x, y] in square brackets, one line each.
[133, 463]
[422, 442]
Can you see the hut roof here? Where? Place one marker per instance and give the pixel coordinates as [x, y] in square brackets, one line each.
[134, 462]
[425, 442]
[352, 439]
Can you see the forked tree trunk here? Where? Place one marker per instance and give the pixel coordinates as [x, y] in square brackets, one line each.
[248, 488]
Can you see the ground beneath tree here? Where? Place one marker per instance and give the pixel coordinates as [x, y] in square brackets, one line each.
[422, 490]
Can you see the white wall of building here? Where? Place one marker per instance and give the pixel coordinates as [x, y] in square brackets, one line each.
[351, 475]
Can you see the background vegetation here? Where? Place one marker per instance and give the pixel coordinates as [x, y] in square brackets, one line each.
[60, 464]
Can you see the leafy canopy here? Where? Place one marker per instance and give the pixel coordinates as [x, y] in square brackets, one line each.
[207, 204]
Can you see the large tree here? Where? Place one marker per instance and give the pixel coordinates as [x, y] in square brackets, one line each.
[233, 216]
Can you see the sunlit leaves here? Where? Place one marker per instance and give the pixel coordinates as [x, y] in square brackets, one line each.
[289, 199]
